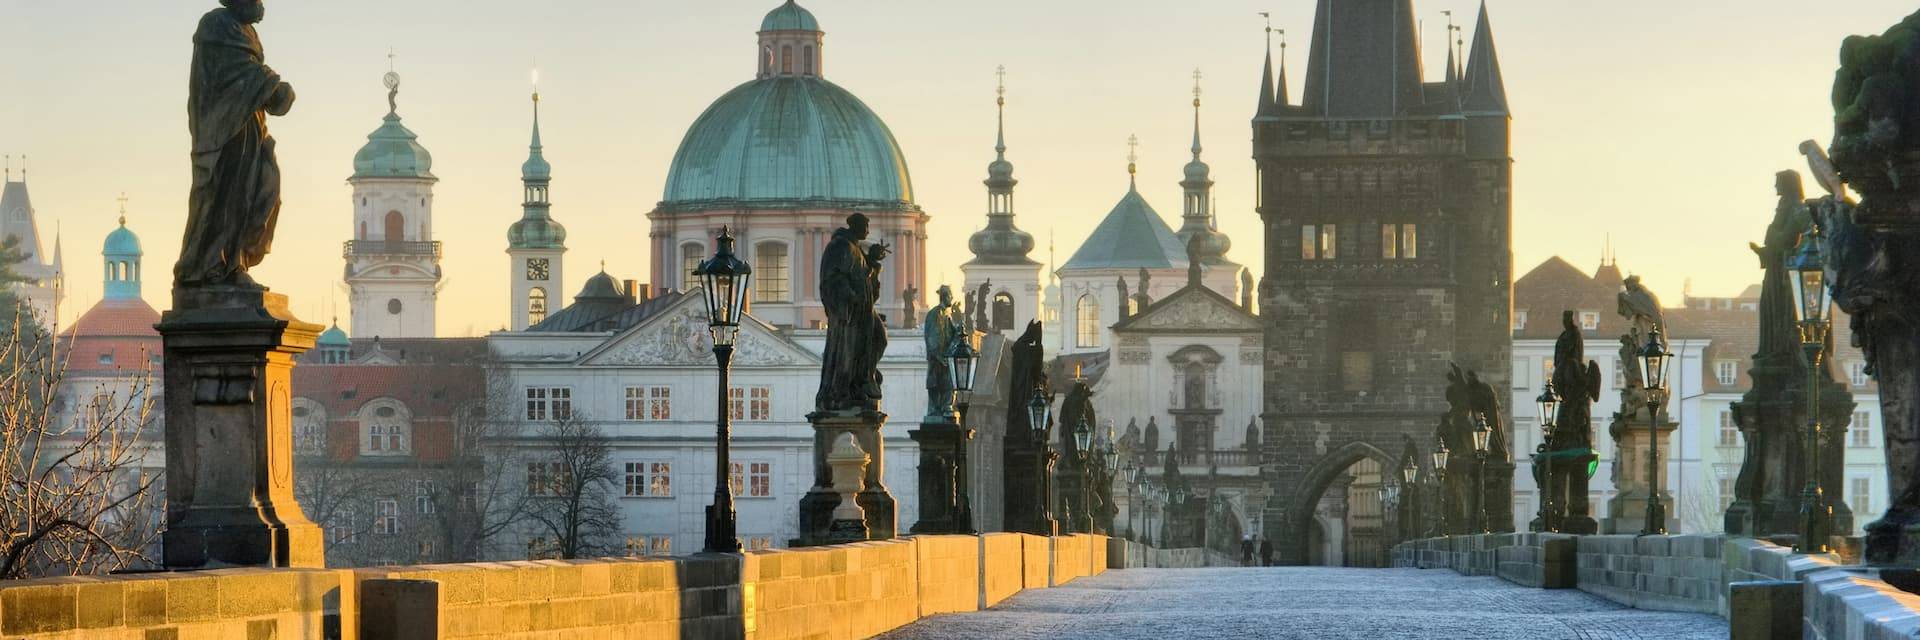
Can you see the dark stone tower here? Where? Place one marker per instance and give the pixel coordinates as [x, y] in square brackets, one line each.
[1386, 203]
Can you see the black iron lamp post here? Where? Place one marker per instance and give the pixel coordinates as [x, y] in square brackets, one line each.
[1112, 467]
[1549, 403]
[1083, 448]
[1653, 360]
[1440, 482]
[1040, 419]
[1482, 438]
[726, 278]
[960, 361]
[1809, 267]
[1133, 504]
[1409, 499]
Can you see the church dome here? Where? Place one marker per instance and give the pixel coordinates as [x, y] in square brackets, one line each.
[393, 151]
[788, 142]
[601, 286]
[334, 336]
[537, 233]
[789, 17]
[122, 242]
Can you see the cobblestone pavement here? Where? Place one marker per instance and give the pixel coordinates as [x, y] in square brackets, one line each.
[1309, 603]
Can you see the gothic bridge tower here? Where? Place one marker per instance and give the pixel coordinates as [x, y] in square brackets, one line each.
[1386, 205]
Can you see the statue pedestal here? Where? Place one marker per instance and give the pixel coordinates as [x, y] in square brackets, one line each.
[945, 506]
[816, 508]
[1627, 509]
[229, 433]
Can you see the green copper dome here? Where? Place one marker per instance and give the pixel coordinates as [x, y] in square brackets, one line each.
[788, 142]
[392, 151]
[122, 243]
[334, 337]
[789, 17]
[537, 233]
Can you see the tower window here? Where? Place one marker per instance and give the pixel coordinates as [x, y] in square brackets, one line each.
[393, 306]
[536, 306]
[396, 227]
[1399, 242]
[786, 60]
[1309, 240]
[1354, 342]
[690, 256]
[771, 283]
[807, 61]
[1086, 317]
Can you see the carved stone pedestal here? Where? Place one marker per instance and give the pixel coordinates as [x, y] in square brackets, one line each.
[816, 508]
[945, 506]
[1627, 510]
[229, 360]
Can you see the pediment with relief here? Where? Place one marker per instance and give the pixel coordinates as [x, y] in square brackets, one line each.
[1193, 310]
[678, 337]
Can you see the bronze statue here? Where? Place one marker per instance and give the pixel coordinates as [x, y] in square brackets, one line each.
[856, 332]
[941, 331]
[235, 198]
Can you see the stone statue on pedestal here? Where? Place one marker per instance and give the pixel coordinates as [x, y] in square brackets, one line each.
[910, 303]
[982, 300]
[1028, 460]
[1577, 380]
[229, 345]
[235, 198]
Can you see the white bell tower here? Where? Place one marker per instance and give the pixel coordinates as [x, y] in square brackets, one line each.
[393, 263]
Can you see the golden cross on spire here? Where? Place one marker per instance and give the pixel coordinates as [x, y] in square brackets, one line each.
[1196, 86]
[1133, 152]
[390, 57]
[123, 208]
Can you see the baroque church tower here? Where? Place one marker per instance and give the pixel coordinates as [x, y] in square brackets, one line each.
[1386, 205]
[1000, 251]
[536, 244]
[393, 263]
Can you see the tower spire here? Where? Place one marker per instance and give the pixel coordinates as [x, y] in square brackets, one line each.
[1486, 88]
[1265, 99]
[1196, 114]
[1000, 243]
[1281, 98]
[1133, 157]
[1000, 107]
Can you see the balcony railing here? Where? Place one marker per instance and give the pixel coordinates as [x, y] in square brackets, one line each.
[1216, 458]
[384, 248]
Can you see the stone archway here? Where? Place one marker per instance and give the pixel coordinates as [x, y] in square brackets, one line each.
[1292, 546]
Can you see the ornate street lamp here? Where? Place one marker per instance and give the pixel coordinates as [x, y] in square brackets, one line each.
[726, 278]
[1440, 480]
[1040, 423]
[1809, 267]
[1482, 438]
[1083, 451]
[961, 361]
[1653, 360]
[1409, 498]
[1549, 403]
[1039, 417]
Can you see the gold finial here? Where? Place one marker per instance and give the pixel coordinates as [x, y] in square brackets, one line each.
[1133, 153]
[536, 81]
[123, 208]
[1001, 91]
[1196, 87]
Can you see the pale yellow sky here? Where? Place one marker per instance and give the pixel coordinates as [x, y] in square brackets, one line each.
[1658, 122]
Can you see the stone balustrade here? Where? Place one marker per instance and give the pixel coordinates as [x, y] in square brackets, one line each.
[1736, 578]
[844, 591]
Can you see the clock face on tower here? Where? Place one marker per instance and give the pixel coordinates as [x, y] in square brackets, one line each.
[537, 268]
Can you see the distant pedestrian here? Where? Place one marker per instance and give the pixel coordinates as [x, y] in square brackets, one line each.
[1246, 550]
[1266, 553]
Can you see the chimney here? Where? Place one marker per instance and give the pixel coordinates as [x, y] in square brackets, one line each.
[643, 292]
[632, 289]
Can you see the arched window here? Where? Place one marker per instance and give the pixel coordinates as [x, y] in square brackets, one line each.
[1086, 322]
[396, 227]
[786, 59]
[536, 306]
[807, 61]
[690, 256]
[770, 277]
[1002, 311]
[386, 428]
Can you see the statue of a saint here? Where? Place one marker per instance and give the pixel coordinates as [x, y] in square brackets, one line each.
[1779, 340]
[941, 330]
[235, 198]
[910, 300]
[980, 301]
[1577, 380]
[856, 332]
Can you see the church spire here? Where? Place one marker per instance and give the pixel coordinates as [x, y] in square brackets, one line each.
[1133, 159]
[1266, 97]
[1196, 228]
[536, 228]
[1486, 89]
[1000, 242]
[1281, 98]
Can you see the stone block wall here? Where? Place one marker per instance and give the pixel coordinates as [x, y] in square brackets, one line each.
[226, 603]
[1003, 566]
[1665, 573]
[1037, 557]
[843, 591]
[948, 573]
[1071, 559]
[661, 597]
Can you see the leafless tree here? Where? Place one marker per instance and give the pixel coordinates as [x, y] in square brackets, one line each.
[75, 497]
[570, 472]
[480, 492]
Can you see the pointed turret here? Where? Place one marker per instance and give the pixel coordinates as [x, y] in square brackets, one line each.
[1282, 100]
[536, 243]
[1266, 107]
[1365, 61]
[1486, 88]
[1000, 242]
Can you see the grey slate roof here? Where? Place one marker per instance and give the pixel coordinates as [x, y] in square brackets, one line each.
[1486, 89]
[1365, 60]
[1132, 235]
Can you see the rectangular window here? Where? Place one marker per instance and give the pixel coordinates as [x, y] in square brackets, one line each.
[1729, 432]
[423, 496]
[1519, 319]
[649, 403]
[1329, 242]
[1861, 499]
[1619, 375]
[546, 478]
[770, 281]
[660, 545]
[636, 546]
[636, 479]
[750, 404]
[1589, 321]
[1726, 494]
[549, 403]
[1409, 242]
[1309, 239]
[757, 479]
[387, 521]
[1860, 432]
[1857, 373]
[759, 543]
[659, 479]
[340, 527]
[373, 438]
[1356, 371]
[1726, 371]
[1389, 242]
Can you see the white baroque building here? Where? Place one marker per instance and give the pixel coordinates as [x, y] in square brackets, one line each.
[393, 262]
